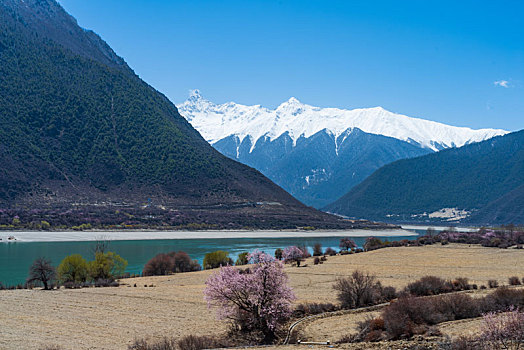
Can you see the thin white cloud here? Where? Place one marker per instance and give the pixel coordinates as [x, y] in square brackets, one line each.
[502, 83]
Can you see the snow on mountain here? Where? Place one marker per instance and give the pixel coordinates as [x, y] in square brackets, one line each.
[218, 121]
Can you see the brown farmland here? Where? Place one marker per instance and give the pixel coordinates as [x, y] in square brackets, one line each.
[111, 318]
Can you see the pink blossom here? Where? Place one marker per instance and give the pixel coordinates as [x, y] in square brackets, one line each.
[293, 254]
[255, 299]
[504, 330]
[259, 257]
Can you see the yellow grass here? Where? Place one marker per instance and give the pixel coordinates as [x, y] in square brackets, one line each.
[110, 318]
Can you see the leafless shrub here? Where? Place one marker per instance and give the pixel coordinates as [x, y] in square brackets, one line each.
[192, 342]
[493, 284]
[429, 285]
[302, 310]
[359, 289]
[317, 249]
[330, 251]
[514, 281]
[164, 344]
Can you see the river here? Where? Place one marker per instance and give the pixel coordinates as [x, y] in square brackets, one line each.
[16, 257]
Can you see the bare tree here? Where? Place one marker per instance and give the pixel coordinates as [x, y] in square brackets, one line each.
[42, 271]
[357, 290]
[100, 245]
[431, 232]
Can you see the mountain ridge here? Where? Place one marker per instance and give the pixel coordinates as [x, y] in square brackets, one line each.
[217, 121]
[82, 136]
[318, 154]
[475, 179]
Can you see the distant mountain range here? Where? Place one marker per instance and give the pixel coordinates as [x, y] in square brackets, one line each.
[319, 154]
[80, 131]
[481, 183]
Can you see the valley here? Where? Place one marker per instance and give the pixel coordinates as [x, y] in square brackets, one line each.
[175, 307]
[319, 154]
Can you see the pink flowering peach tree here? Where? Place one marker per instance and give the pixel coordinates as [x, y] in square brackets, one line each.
[293, 254]
[504, 330]
[257, 299]
[259, 257]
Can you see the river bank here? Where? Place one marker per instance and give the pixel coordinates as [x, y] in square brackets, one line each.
[130, 235]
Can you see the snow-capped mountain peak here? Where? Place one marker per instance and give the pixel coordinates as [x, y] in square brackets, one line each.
[218, 121]
[194, 95]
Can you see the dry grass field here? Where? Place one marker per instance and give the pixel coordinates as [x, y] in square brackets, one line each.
[111, 318]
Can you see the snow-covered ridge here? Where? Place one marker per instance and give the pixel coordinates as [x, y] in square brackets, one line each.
[218, 121]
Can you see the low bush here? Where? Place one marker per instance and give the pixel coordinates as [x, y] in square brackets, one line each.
[429, 285]
[159, 265]
[502, 299]
[493, 284]
[501, 238]
[164, 344]
[372, 243]
[183, 263]
[192, 342]
[514, 281]
[307, 309]
[72, 285]
[388, 293]
[461, 283]
[316, 261]
[458, 306]
[106, 282]
[360, 289]
[411, 315]
[330, 251]
[465, 343]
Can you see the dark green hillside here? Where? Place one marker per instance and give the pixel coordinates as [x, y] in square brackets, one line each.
[508, 209]
[78, 129]
[468, 178]
[73, 117]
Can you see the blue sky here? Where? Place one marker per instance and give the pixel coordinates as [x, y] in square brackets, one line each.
[456, 62]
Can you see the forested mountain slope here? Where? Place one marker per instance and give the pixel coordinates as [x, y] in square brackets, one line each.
[79, 129]
[484, 179]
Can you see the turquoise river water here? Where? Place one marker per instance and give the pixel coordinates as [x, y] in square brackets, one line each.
[16, 257]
